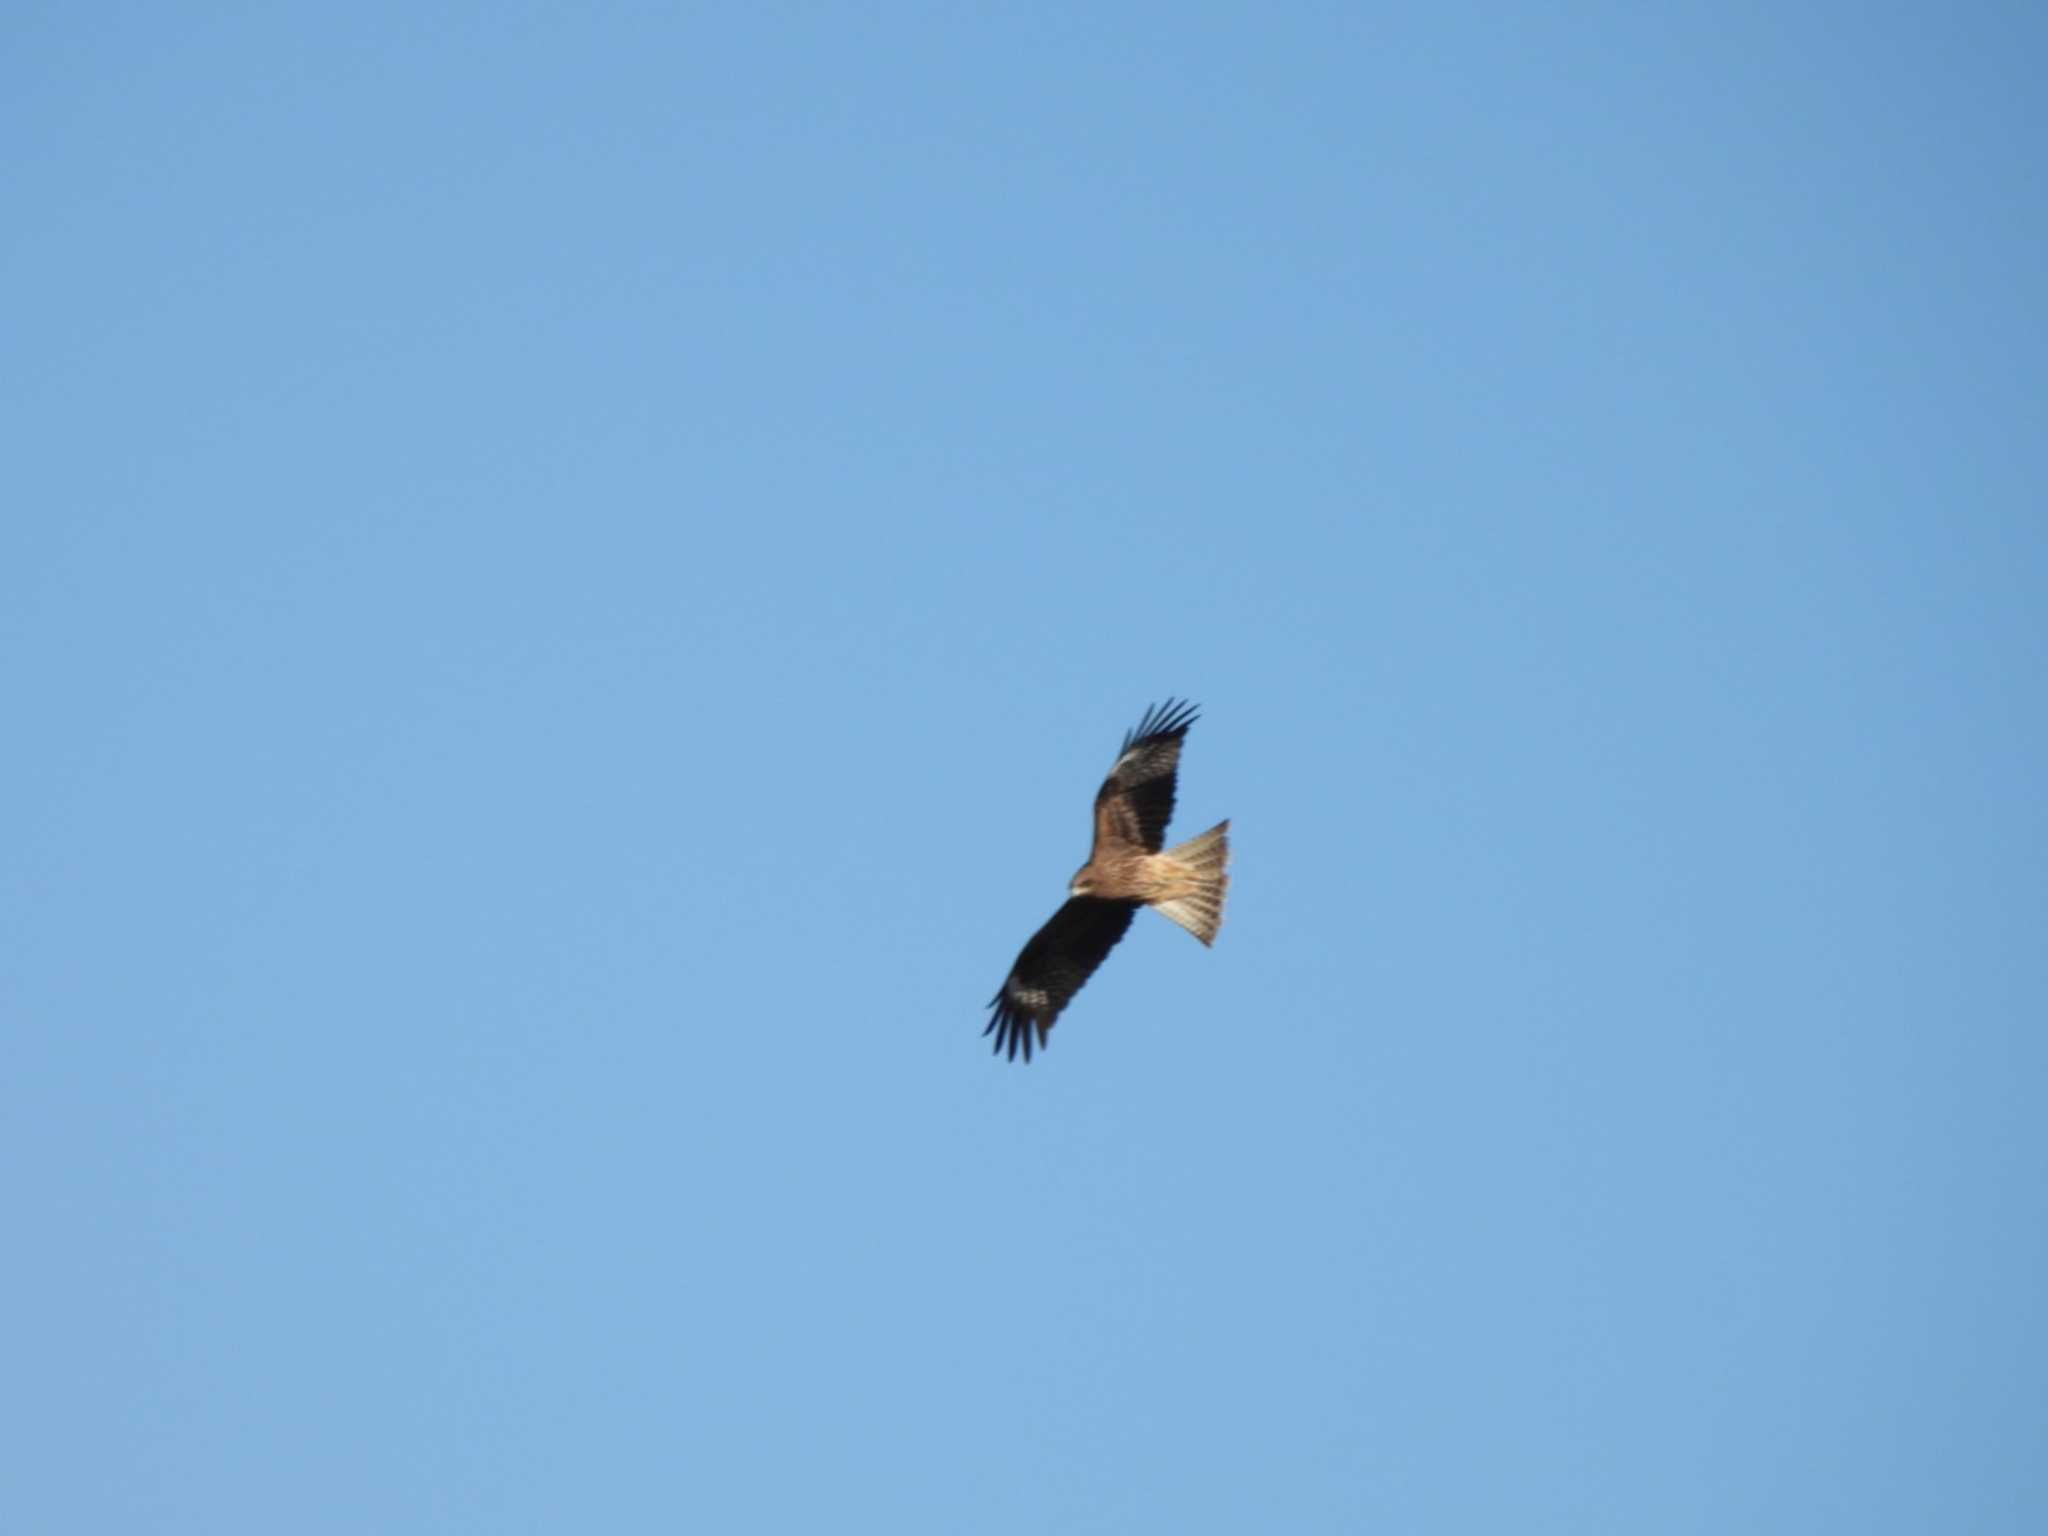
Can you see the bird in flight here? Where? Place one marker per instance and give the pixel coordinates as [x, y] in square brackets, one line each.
[1126, 870]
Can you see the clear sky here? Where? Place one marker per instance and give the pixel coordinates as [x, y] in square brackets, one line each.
[568, 574]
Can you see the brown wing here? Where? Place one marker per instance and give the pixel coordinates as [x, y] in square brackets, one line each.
[1053, 967]
[1136, 800]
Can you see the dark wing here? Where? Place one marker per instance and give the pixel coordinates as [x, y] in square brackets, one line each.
[1136, 800]
[1053, 967]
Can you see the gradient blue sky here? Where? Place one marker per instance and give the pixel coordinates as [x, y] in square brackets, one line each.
[569, 573]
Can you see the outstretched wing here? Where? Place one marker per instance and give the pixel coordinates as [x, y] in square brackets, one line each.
[1136, 801]
[1053, 967]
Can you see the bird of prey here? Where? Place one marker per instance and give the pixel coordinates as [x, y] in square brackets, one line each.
[1126, 870]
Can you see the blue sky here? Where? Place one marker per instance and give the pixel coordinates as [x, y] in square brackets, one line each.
[570, 573]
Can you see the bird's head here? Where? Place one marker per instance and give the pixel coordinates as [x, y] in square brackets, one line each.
[1083, 883]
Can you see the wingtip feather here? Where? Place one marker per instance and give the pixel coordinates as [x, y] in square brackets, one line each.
[1172, 718]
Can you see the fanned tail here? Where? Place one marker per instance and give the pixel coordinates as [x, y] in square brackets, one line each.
[1201, 880]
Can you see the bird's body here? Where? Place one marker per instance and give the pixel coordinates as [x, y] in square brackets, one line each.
[1128, 867]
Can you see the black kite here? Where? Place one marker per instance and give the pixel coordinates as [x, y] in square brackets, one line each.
[1125, 871]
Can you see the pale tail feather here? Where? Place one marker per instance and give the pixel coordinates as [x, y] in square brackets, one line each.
[1205, 858]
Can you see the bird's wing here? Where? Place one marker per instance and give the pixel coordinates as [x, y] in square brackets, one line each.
[1053, 967]
[1136, 801]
